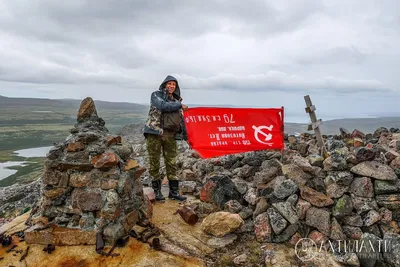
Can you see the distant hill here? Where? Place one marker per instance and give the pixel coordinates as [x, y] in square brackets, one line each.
[43, 103]
[366, 125]
[114, 110]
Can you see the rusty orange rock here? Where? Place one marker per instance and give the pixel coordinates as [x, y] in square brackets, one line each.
[358, 142]
[87, 110]
[130, 164]
[105, 160]
[74, 147]
[111, 140]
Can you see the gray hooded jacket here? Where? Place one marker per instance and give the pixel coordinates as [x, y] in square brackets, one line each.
[159, 103]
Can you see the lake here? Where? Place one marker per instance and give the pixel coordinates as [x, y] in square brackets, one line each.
[4, 172]
[35, 152]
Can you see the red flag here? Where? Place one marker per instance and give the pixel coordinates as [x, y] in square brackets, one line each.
[220, 131]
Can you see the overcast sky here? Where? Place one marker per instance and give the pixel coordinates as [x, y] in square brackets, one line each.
[344, 54]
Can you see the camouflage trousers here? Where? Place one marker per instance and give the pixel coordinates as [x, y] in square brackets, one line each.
[166, 144]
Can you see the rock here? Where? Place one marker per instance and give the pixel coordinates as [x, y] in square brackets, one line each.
[392, 255]
[206, 192]
[364, 154]
[336, 231]
[362, 204]
[352, 232]
[336, 161]
[391, 155]
[391, 201]
[112, 140]
[188, 175]
[241, 259]
[220, 189]
[318, 238]
[105, 160]
[385, 215]
[339, 177]
[320, 219]
[277, 222]
[131, 164]
[353, 220]
[303, 163]
[343, 207]
[336, 191]
[334, 144]
[261, 207]
[87, 200]
[79, 179]
[76, 146]
[188, 187]
[87, 110]
[380, 131]
[285, 188]
[362, 187]
[386, 187]
[357, 133]
[60, 236]
[241, 185]
[287, 210]
[251, 196]
[286, 234]
[233, 206]
[371, 218]
[316, 160]
[358, 142]
[262, 228]
[221, 242]
[113, 231]
[221, 223]
[246, 213]
[314, 197]
[369, 253]
[295, 173]
[395, 163]
[348, 259]
[302, 206]
[374, 170]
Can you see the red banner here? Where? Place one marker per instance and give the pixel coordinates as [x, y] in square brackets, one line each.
[220, 131]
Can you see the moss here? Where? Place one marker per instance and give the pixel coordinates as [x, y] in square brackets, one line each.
[226, 260]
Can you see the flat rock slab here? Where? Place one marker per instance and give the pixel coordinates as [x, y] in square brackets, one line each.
[374, 170]
[60, 236]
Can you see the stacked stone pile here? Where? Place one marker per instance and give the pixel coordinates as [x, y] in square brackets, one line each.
[90, 185]
[351, 194]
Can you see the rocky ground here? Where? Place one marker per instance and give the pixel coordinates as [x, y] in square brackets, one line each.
[255, 207]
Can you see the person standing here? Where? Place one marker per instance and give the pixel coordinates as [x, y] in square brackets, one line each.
[163, 126]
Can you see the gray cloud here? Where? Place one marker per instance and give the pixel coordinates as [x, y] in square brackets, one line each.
[275, 47]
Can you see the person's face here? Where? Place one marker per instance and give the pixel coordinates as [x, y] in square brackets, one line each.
[170, 86]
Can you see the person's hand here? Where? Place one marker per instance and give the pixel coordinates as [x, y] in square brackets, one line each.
[184, 107]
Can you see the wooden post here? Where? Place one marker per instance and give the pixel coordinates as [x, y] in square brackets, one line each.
[315, 125]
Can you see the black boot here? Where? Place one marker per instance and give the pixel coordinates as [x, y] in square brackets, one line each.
[174, 191]
[157, 190]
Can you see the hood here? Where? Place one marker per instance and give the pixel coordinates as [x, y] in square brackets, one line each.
[171, 78]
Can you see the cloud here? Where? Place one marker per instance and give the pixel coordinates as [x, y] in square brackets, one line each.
[263, 47]
[280, 81]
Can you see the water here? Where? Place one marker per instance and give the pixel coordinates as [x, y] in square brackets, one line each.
[4, 172]
[33, 152]
[26, 153]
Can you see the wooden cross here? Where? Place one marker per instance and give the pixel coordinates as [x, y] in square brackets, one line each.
[315, 125]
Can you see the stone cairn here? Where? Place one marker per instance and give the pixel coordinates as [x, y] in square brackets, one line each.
[91, 186]
[352, 194]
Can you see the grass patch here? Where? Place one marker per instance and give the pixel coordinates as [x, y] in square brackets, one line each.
[8, 155]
